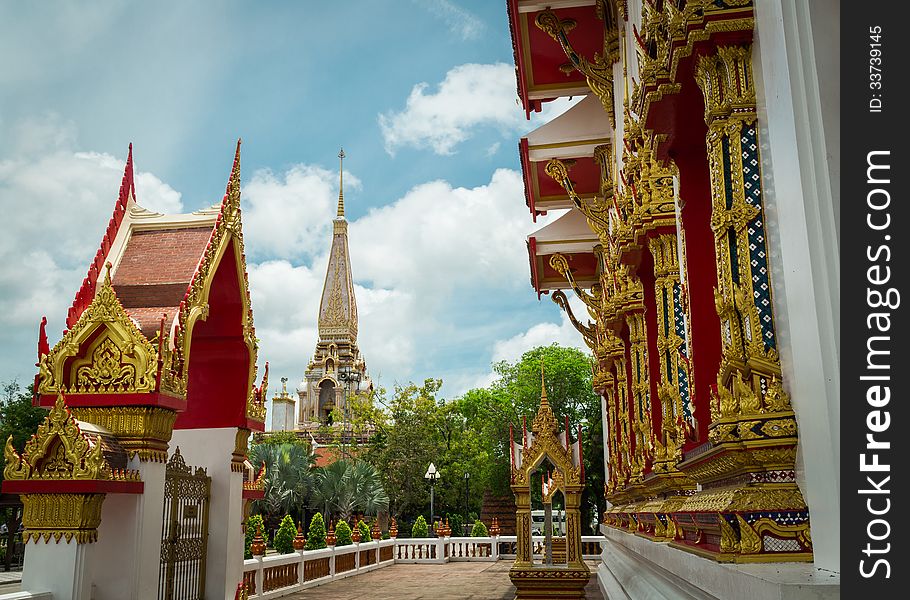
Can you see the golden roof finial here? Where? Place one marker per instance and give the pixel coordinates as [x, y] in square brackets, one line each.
[341, 156]
[543, 386]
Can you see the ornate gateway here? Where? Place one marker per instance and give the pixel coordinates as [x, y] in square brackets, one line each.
[184, 531]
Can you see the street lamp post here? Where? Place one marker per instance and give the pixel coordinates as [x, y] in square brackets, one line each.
[467, 476]
[432, 475]
[347, 377]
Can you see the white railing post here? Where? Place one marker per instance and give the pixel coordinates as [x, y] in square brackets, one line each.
[300, 566]
[494, 549]
[260, 574]
[356, 556]
[332, 563]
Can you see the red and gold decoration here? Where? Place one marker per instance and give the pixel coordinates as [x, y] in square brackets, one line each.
[393, 530]
[665, 245]
[63, 476]
[257, 547]
[546, 442]
[299, 542]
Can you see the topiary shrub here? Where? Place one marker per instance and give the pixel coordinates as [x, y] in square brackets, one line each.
[315, 537]
[343, 534]
[420, 530]
[284, 538]
[479, 529]
[251, 524]
[386, 535]
[365, 534]
[456, 524]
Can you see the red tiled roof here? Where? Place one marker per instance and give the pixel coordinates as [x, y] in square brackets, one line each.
[162, 256]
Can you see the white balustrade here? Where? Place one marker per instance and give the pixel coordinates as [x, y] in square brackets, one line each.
[281, 574]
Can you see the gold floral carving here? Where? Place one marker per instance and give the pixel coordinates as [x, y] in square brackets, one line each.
[58, 450]
[119, 358]
[143, 431]
[61, 516]
[587, 331]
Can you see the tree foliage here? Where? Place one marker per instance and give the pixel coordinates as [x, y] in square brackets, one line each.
[420, 529]
[253, 523]
[345, 487]
[470, 434]
[364, 529]
[315, 537]
[288, 478]
[18, 418]
[284, 537]
[343, 533]
[479, 529]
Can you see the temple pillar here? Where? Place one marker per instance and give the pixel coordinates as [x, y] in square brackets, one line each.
[524, 556]
[64, 569]
[212, 449]
[750, 508]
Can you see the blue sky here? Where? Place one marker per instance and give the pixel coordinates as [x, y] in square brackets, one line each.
[421, 95]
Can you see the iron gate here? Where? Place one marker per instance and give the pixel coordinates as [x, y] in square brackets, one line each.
[184, 531]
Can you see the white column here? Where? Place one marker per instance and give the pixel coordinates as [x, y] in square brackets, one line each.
[795, 65]
[212, 449]
[62, 568]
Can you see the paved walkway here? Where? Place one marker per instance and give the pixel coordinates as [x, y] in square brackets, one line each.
[452, 581]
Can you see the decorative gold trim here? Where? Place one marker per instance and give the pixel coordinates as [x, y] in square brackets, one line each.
[57, 450]
[141, 430]
[118, 357]
[66, 516]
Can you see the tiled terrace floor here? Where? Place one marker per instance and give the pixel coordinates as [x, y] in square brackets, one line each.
[452, 581]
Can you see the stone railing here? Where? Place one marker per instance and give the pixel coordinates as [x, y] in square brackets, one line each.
[281, 574]
[591, 546]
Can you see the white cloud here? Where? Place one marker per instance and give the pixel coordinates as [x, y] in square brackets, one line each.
[539, 334]
[544, 334]
[470, 96]
[460, 21]
[290, 215]
[56, 203]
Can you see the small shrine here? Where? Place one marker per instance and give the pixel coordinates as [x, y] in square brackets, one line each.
[562, 573]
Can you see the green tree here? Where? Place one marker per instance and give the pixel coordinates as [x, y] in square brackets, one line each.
[479, 529]
[420, 529]
[344, 487]
[410, 442]
[343, 533]
[515, 396]
[18, 418]
[284, 538]
[253, 523]
[315, 537]
[364, 529]
[288, 478]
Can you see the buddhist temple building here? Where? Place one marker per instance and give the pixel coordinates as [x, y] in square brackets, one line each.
[337, 370]
[698, 178]
[153, 395]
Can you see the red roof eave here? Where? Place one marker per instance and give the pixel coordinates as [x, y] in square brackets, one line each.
[532, 255]
[521, 73]
[525, 156]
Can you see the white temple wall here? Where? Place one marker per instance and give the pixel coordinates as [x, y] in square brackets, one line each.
[116, 553]
[63, 569]
[212, 449]
[795, 63]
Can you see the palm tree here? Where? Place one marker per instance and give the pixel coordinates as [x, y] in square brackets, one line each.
[344, 487]
[288, 478]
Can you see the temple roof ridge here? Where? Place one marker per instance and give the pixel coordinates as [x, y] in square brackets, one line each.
[86, 292]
